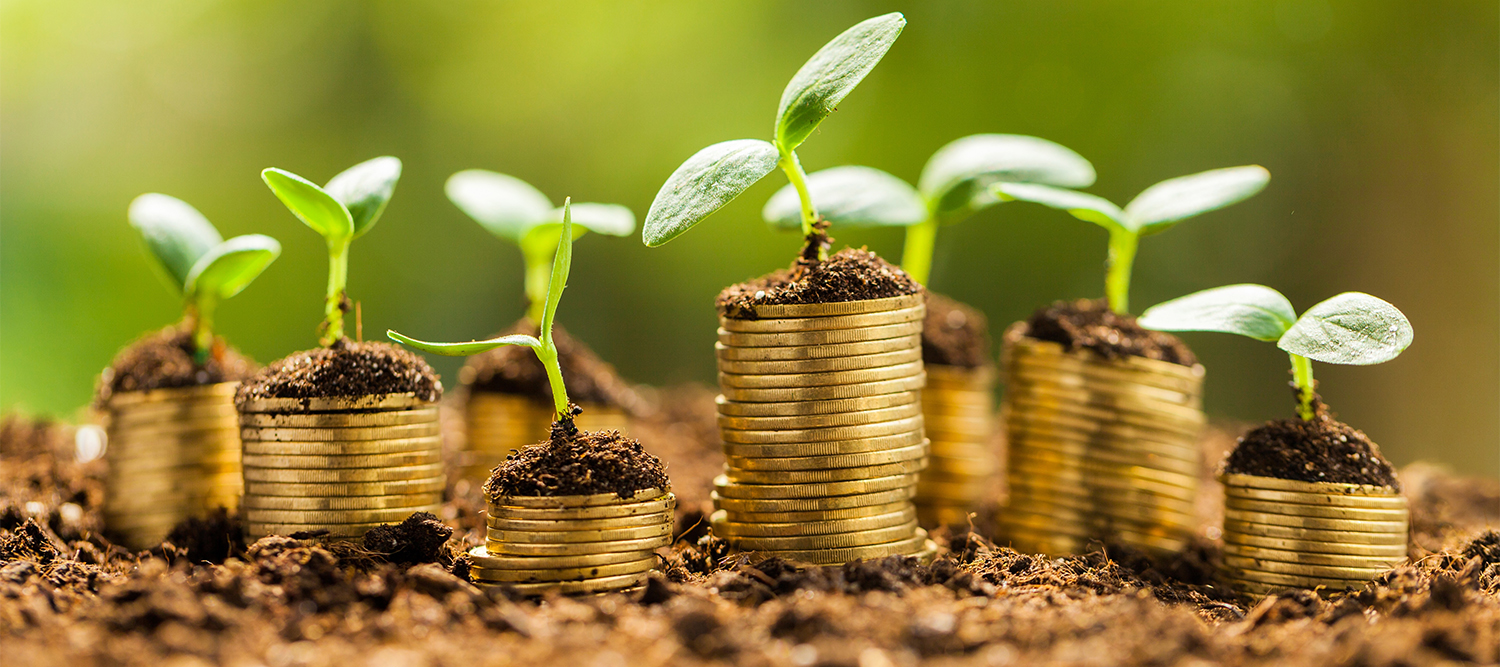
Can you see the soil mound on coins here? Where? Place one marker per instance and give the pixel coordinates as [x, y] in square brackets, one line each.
[418, 539]
[1321, 450]
[1090, 324]
[954, 334]
[164, 359]
[581, 464]
[516, 370]
[346, 369]
[849, 275]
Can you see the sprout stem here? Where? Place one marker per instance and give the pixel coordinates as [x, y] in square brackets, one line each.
[547, 353]
[338, 280]
[202, 316]
[1122, 245]
[921, 241]
[538, 274]
[794, 173]
[1302, 375]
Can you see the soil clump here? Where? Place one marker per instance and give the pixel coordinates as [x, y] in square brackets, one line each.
[1089, 324]
[164, 359]
[418, 539]
[848, 275]
[574, 463]
[516, 370]
[345, 369]
[954, 334]
[1321, 450]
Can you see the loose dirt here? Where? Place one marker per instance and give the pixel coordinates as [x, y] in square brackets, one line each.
[574, 463]
[1091, 325]
[1321, 450]
[164, 359]
[345, 369]
[954, 334]
[848, 275]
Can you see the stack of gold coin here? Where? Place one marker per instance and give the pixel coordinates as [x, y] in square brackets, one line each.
[573, 544]
[958, 406]
[821, 419]
[1281, 533]
[172, 454]
[1099, 448]
[499, 424]
[338, 464]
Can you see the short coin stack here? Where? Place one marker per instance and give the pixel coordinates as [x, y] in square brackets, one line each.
[499, 424]
[340, 464]
[573, 544]
[958, 406]
[1099, 448]
[172, 454]
[821, 419]
[1281, 533]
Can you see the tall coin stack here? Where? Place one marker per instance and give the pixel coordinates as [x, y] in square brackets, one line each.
[172, 454]
[821, 419]
[573, 544]
[1099, 448]
[958, 406]
[1281, 533]
[339, 464]
[499, 424]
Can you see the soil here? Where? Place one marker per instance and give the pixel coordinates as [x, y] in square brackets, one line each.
[164, 359]
[848, 275]
[345, 369]
[954, 334]
[574, 463]
[516, 370]
[1321, 450]
[1089, 324]
[418, 539]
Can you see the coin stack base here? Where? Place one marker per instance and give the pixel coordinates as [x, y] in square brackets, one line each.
[958, 408]
[339, 465]
[499, 424]
[172, 454]
[1281, 534]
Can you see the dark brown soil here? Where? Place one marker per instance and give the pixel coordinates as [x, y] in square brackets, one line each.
[419, 539]
[1321, 450]
[848, 275]
[516, 370]
[1091, 325]
[578, 464]
[346, 369]
[164, 359]
[954, 334]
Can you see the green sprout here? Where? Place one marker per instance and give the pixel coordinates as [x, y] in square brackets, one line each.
[544, 347]
[198, 263]
[954, 185]
[714, 176]
[513, 210]
[1352, 328]
[1156, 209]
[341, 211]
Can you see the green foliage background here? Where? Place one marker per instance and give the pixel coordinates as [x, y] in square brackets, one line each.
[1377, 119]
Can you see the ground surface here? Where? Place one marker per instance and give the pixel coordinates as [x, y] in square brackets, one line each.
[68, 596]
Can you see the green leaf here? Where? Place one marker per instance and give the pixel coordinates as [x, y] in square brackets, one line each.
[609, 219]
[311, 204]
[1352, 328]
[956, 176]
[1173, 200]
[505, 205]
[831, 74]
[708, 180]
[365, 189]
[850, 195]
[465, 349]
[1083, 206]
[541, 242]
[562, 265]
[175, 232]
[231, 266]
[1248, 310]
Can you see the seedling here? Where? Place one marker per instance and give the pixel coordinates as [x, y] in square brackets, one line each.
[513, 210]
[543, 346]
[341, 211]
[1352, 328]
[953, 186]
[716, 175]
[198, 263]
[1155, 210]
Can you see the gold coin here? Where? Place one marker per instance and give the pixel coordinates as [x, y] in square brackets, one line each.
[1184, 420]
[965, 493]
[1390, 550]
[822, 379]
[978, 424]
[1324, 499]
[1305, 558]
[904, 547]
[910, 453]
[340, 434]
[966, 376]
[1176, 388]
[1298, 581]
[321, 490]
[1126, 393]
[828, 337]
[750, 312]
[180, 416]
[632, 509]
[1093, 499]
[173, 394]
[1315, 523]
[429, 456]
[724, 527]
[728, 408]
[835, 433]
[861, 445]
[902, 493]
[830, 541]
[1115, 437]
[1242, 504]
[1298, 569]
[1092, 481]
[967, 467]
[583, 587]
[479, 573]
[334, 403]
[1031, 350]
[370, 515]
[570, 536]
[342, 475]
[809, 352]
[824, 476]
[788, 491]
[345, 448]
[340, 419]
[1276, 484]
[578, 549]
[328, 531]
[816, 516]
[821, 421]
[781, 394]
[1305, 534]
[798, 324]
[481, 557]
[639, 521]
[560, 502]
[1251, 589]
[337, 503]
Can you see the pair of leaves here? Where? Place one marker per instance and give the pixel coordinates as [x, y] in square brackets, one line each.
[1352, 328]
[1158, 207]
[345, 208]
[714, 176]
[512, 209]
[199, 262]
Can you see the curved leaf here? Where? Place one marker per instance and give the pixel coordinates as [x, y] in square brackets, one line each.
[1175, 199]
[823, 81]
[850, 195]
[562, 265]
[465, 349]
[1097, 210]
[232, 265]
[1248, 310]
[956, 175]
[610, 219]
[311, 204]
[365, 189]
[708, 180]
[1352, 328]
[176, 233]
[505, 205]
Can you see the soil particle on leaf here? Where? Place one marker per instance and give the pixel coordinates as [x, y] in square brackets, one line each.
[1089, 324]
[578, 464]
[1321, 450]
[345, 369]
[514, 369]
[164, 359]
[848, 275]
[418, 539]
[954, 334]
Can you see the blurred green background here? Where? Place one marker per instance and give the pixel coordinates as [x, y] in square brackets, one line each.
[1377, 119]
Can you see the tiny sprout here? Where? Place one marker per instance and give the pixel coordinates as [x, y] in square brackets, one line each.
[954, 185]
[513, 210]
[1352, 328]
[198, 263]
[714, 176]
[341, 211]
[544, 347]
[1156, 209]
